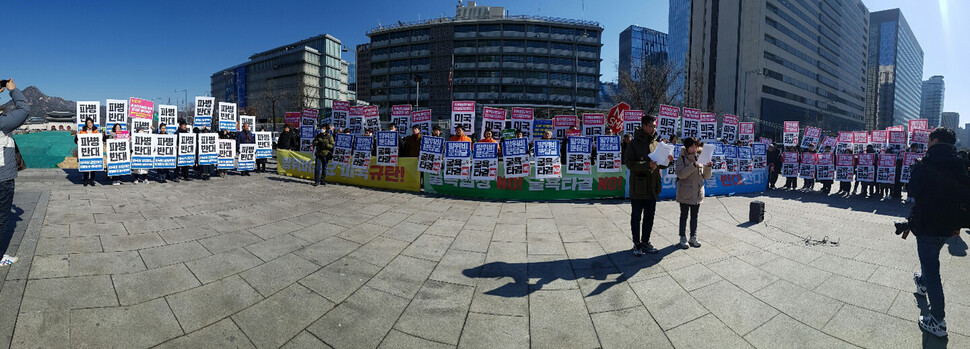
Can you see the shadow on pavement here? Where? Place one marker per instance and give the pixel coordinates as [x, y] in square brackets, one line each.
[594, 268]
[956, 246]
[889, 207]
[929, 340]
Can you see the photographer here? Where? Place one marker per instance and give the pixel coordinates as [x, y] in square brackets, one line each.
[941, 187]
[8, 171]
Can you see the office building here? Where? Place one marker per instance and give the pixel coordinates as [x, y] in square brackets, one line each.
[931, 100]
[606, 97]
[678, 45]
[639, 46]
[949, 119]
[894, 73]
[482, 54]
[304, 74]
[770, 61]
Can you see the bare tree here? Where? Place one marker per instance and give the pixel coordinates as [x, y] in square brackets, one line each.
[648, 85]
[270, 100]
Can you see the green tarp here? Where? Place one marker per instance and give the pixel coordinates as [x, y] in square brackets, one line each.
[45, 149]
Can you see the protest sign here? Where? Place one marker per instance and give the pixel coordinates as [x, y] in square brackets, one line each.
[807, 168]
[493, 119]
[764, 140]
[918, 124]
[204, 107]
[919, 140]
[87, 110]
[208, 149]
[360, 159]
[264, 145]
[117, 113]
[308, 122]
[708, 128]
[404, 176]
[515, 157]
[597, 185]
[594, 125]
[608, 153]
[759, 157]
[811, 137]
[825, 169]
[387, 148]
[859, 141]
[897, 142]
[667, 121]
[878, 139]
[89, 152]
[906, 172]
[789, 165]
[292, 119]
[865, 170]
[539, 127]
[401, 117]
[484, 161]
[729, 128]
[691, 126]
[119, 157]
[247, 157]
[457, 160]
[562, 123]
[422, 118]
[829, 142]
[430, 158]
[614, 118]
[844, 167]
[790, 134]
[731, 158]
[573, 133]
[508, 133]
[886, 171]
[671, 170]
[186, 155]
[578, 155]
[632, 120]
[168, 115]
[227, 116]
[339, 113]
[163, 151]
[896, 128]
[746, 133]
[372, 120]
[463, 114]
[247, 119]
[844, 143]
[522, 120]
[227, 154]
[547, 159]
[355, 120]
[745, 159]
[717, 157]
[343, 148]
[140, 109]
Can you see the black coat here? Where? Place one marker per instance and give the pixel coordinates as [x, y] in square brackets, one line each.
[934, 193]
[288, 140]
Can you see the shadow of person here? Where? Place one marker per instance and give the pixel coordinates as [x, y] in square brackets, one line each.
[571, 269]
[957, 246]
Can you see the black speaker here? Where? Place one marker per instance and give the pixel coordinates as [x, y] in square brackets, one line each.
[756, 212]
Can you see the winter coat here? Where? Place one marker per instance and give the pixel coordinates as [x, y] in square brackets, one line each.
[922, 187]
[645, 183]
[411, 147]
[288, 140]
[323, 145]
[690, 178]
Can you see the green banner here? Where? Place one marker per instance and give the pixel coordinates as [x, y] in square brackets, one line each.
[592, 186]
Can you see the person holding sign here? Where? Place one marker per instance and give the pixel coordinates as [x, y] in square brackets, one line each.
[459, 135]
[690, 189]
[644, 183]
[244, 136]
[182, 170]
[411, 147]
[115, 134]
[163, 173]
[323, 148]
[487, 138]
[87, 177]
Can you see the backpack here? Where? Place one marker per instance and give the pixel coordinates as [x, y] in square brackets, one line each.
[949, 197]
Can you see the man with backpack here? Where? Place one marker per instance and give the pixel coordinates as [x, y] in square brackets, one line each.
[8, 170]
[941, 187]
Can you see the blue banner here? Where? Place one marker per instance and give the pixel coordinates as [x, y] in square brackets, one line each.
[208, 159]
[92, 164]
[485, 151]
[226, 164]
[515, 146]
[458, 149]
[721, 183]
[546, 148]
[142, 162]
[119, 169]
[608, 143]
[541, 126]
[186, 160]
[432, 144]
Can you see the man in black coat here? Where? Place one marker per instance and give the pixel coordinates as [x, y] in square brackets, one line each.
[289, 140]
[774, 165]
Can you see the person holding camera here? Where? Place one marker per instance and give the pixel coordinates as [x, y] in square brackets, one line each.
[940, 186]
[8, 171]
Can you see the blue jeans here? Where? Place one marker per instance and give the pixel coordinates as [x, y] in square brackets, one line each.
[320, 170]
[6, 201]
[928, 248]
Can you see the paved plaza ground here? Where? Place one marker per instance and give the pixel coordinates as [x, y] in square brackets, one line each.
[268, 261]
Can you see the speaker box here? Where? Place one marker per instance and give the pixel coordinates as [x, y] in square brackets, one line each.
[756, 212]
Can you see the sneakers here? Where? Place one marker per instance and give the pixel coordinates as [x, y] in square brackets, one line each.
[637, 251]
[683, 243]
[7, 260]
[116, 182]
[931, 325]
[693, 241]
[920, 289]
[648, 248]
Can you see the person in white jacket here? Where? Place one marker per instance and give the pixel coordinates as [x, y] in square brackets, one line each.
[8, 169]
[690, 189]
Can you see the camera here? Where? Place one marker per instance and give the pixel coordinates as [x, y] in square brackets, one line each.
[902, 227]
[3, 83]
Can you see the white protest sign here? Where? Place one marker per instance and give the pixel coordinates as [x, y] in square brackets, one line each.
[119, 157]
[141, 151]
[632, 120]
[493, 119]
[691, 126]
[790, 135]
[844, 167]
[343, 148]
[430, 158]
[208, 150]
[667, 121]
[608, 152]
[89, 152]
[807, 168]
[457, 160]
[515, 153]
[186, 155]
[886, 171]
[789, 165]
[247, 157]
[341, 109]
[168, 115]
[708, 128]
[594, 125]
[371, 118]
[400, 117]
[247, 119]
[746, 133]
[522, 120]
[422, 118]
[484, 161]
[204, 107]
[227, 116]
[227, 154]
[90, 109]
[547, 159]
[362, 153]
[562, 123]
[117, 110]
[463, 114]
[578, 155]
[729, 128]
[387, 148]
[163, 149]
[865, 171]
[264, 145]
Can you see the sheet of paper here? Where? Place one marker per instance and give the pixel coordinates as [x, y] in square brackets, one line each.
[707, 153]
[662, 153]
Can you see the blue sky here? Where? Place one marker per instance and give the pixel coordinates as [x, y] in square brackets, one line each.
[95, 50]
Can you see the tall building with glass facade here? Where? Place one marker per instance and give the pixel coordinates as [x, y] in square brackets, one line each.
[678, 45]
[931, 100]
[770, 61]
[482, 54]
[639, 46]
[950, 119]
[895, 71]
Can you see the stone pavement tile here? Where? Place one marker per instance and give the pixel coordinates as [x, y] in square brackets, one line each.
[473, 240]
[509, 232]
[799, 254]
[131, 242]
[305, 340]
[199, 219]
[559, 319]
[175, 236]
[893, 278]
[223, 334]
[867, 328]
[804, 305]
[739, 310]
[130, 208]
[327, 251]
[452, 267]
[60, 216]
[424, 217]
[88, 229]
[606, 291]
[105, 263]
[575, 233]
[118, 217]
[905, 259]
[428, 247]
[487, 209]
[588, 255]
[141, 325]
[275, 247]
[11, 299]
[273, 321]
[317, 232]
[50, 266]
[674, 260]
[705, 332]
[502, 291]
[437, 312]
[278, 274]
[748, 277]
[845, 267]
[445, 227]
[388, 219]
[229, 241]
[55, 230]
[541, 225]
[238, 224]
[379, 251]
[362, 233]
[797, 273]
[669, 304]
[370, 312]
[859, 293]
[171, 254]
[545, 243]
[340, 279]
[201, 306]
[68, 293]
[403, 276]
[50, 329]
[269, 231]
[223, 264]
[66, 245]
[153, 283]
[406, 231]
[482, 223]
[165, 212]
[398, 339]
[784, 332]
[488, 331]
[694, 277]
[551, 272]
[629, 328]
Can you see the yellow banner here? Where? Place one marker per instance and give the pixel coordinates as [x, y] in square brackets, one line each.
[404, 176]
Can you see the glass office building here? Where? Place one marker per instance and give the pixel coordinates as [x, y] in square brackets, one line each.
[931, 101]
[678, 43]
[639, 46]
[895, 71]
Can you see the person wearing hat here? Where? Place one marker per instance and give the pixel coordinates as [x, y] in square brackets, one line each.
[459, 135]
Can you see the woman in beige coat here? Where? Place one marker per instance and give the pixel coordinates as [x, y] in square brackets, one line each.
[690, 189]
